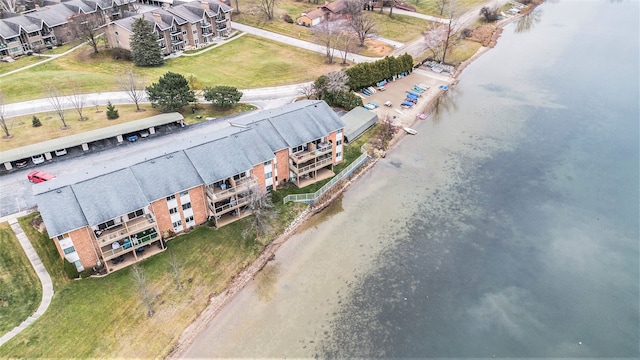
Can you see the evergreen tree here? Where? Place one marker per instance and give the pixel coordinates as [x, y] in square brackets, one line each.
[144, 45]
[222, 96]
[112, 113]
[35, 122]
[171, 92]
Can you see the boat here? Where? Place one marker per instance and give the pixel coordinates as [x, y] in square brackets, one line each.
[410, 131]
[421, 116]
[443, 87]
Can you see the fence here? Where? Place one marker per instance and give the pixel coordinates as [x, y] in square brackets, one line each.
[312, 197]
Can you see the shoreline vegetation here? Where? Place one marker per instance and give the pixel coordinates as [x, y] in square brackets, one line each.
[241, 273]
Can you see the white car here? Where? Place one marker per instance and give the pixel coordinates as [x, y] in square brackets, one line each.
[61, 152]
[37, 159]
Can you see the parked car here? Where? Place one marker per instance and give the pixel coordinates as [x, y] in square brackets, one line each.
[144, 133]
[61, 152]
[37, 159]
[22, 163]
[39, 176]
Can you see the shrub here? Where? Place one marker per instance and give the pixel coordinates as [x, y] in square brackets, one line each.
[70, 270]
[490, 13]
[287, 18]
[119, 53]
[112, 112]
[35, 122]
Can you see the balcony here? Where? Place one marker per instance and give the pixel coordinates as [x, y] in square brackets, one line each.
[207, 33]
[175, 32]
[313, 152]
[217, 193]
[302, 169]
[176, 41]
[204, 25]
[125, 229]
[221, 20]
[129, 244]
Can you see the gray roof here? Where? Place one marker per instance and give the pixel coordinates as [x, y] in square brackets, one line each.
[108, 196]
[9, 30]
[59, 202]
[104, 192]
[357, 121]
[165, 175]
[87, 137]
[219, 159]
[305, 121]
[54, 15]
[28, 24]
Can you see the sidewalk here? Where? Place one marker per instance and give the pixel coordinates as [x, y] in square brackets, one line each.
[41, 271]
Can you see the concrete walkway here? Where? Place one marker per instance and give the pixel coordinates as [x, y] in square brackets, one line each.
[41, 271]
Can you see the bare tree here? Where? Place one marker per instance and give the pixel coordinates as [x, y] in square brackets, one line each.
[345, 41]
[176, 270]
[439, 38]
[56, 99]
[134, 86]
[337, 81]
[327, 33]
[528, 21]
[140, 280]
[3, 122]
[85, 27]
[266, 7]
[441, 5]
[10, 6]
[237, 7]
[364, 25]
[77, 99]
[262, 207]
[307, 90]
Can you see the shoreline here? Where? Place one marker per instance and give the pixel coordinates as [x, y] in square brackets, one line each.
[408, 119]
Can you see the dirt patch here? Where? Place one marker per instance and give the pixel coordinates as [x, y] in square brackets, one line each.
[486, 34]
[377, 48]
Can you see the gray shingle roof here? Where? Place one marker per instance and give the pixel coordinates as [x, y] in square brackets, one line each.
[165, 175]
[60, 211]
[218, 160]
[108, 196]
[54, 15]
[254, 146]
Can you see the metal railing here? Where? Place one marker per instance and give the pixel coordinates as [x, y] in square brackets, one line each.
[311, 198]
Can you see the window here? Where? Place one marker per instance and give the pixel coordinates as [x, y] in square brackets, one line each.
[339, 131]
[195, 41]
[267, 163]
[69, 250]
[184, 193]
[184, 32]
[169, 198]
[61, 237]
[189, 219]
[135, 214]
[268, 175]
[339, 142]
[338, 154]
[115, 32]
[240, 176]
[297, 149]
[177, 224]
[195, 31]
[106, 225]
[173, 210]
[186, 206]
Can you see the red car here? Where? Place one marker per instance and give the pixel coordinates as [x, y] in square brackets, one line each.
[39, 176]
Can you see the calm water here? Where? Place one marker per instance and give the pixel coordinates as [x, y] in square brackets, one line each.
[508, 227]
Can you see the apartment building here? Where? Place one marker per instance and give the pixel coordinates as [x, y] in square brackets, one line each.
[48, 25]
[185, 25]
[118, 214]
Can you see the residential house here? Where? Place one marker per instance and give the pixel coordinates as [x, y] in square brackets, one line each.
[183, 26]
[117, 214]
[48, 26]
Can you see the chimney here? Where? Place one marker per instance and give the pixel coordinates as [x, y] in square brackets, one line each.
[157, 18]
[204, 4]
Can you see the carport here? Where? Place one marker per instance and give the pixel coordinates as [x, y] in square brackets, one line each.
[85, 138]
[357, 121]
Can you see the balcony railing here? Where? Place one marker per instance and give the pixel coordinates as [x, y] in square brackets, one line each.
[242, 186]
[135, 243]
[309, 168]
[128, 228]
[232, 205]
[221, 20]
[175, 32]
[305, 156]
[176, 41]
[205, 25]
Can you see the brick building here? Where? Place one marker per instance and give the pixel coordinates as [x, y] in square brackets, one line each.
[116, 214]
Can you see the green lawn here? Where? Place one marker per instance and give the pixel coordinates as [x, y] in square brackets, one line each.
[430, 7]
[246, 62]
[20, 290]
[106, 317]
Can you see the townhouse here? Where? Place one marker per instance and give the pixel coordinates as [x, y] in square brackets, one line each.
[118, 214]
[48, 25]
[185, 25]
